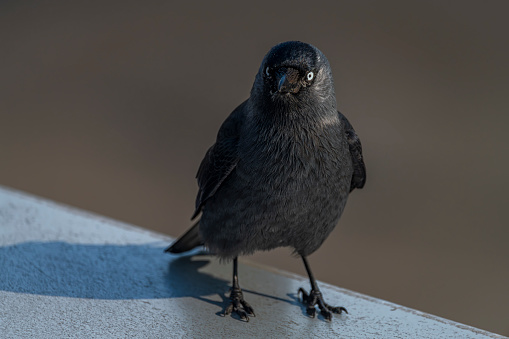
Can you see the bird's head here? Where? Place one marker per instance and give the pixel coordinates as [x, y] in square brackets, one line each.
[294, 73]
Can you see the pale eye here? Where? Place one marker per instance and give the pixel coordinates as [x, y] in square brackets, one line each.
[310, 76]
[267, 71]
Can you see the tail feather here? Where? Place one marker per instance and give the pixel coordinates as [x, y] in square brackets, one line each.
[187, 241]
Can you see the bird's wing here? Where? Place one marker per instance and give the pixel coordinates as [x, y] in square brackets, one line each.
[220, 160]
[354, 144]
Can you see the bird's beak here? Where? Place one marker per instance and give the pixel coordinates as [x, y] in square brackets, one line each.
[288, 80]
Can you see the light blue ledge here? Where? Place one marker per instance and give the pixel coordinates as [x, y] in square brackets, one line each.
[65, 273]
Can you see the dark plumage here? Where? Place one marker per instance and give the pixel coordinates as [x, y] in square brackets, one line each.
[281, 169]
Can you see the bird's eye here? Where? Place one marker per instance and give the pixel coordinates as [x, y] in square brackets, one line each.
[267, 71]
[310, 76]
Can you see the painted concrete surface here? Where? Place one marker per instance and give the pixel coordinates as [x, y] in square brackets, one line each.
[65, 273]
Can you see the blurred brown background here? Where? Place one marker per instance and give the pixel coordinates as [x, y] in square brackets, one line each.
[110, 106]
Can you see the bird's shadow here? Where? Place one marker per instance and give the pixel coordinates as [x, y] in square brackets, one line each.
[296, 299]
[112, 272]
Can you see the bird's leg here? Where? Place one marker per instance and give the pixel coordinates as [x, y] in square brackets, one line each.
[237, 302]
[315, 298]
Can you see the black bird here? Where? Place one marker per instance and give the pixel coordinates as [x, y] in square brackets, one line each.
[280, 171]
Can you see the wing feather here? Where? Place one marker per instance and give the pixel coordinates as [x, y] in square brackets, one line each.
[354, 143]
[221, 159]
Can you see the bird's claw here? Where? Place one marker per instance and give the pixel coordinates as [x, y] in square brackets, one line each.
[315, 298]
[238, 305]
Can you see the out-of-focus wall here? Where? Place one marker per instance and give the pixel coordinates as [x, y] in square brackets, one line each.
[110, 106]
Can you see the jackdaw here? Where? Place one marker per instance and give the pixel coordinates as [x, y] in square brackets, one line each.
[280, 172]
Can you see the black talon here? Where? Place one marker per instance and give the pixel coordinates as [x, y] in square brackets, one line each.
[326, 314]
[247, 308]
[228, 310]
[315, 298]
[337, 310]
[237, 303]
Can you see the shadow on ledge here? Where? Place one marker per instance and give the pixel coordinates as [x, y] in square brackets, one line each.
[104, 272]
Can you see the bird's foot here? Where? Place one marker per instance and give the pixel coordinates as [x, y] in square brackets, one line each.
[238, 305]
[315, 298]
